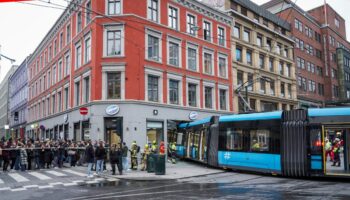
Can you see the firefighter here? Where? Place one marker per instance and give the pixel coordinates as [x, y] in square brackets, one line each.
[154, 147]
[133, 152]
[161, 148]
[144, 158]
[173, 152]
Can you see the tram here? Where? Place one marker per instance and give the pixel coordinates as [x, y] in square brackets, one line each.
[296, 143]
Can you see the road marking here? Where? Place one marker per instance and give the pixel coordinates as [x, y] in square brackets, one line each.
[78, 181]
[5, 188]
[57, 183]
[74, 172]
[56, 173]
[45, 186]
[39, 176]
[1, 181]
[92, 182]
[112, 179]
[18, 189]
[99, 179]
[70, 184]
[31, 186]
[18, 177]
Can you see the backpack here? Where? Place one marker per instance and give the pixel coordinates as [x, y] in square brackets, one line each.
[138, 149]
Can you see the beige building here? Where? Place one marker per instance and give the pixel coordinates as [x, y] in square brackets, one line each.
[262, 58]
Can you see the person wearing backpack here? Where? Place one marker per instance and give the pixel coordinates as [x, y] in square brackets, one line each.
[133, 152]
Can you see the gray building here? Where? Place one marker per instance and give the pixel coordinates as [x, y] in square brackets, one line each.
[18, 98]
[4, 87]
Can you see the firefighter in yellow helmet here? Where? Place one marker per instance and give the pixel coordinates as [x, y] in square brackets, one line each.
[173, 152]
[133, 152]
[144, 158]
[154, 148]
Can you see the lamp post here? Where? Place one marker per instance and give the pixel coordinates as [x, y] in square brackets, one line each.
[245, 85]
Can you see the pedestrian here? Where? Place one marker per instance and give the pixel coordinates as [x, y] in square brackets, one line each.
[72, 152]
[100, 154]
[90, 158]
[1, 147]
[133, 153]
[336, 151]
[161, 148]
[37, 164]
[47, 156]
[113, 157]
[173, 152]
[145, 155]
[154, 147]
[23, 157]
[6, 156]
[13, 154]
[125, 150]
[30, 154]
[328, 148]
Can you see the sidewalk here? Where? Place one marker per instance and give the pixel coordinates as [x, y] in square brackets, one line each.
[180, 170]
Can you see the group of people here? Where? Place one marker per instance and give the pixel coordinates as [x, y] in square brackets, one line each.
[333, 149]
[33, 155]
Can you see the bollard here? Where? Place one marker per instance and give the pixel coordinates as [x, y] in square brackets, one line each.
[151, 160]
[160, 165]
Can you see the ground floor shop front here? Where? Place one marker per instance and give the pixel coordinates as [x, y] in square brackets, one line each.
[116, 122]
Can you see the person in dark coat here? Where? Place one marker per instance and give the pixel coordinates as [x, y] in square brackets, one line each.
[100, 154]
[6, 156]
[48, 156]
[115, 156]
[90, 158]
[13, 155]
[30, 155]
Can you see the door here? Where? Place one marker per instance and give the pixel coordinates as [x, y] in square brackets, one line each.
[113, 132]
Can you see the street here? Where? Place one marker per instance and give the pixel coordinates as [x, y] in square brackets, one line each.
[72, 184]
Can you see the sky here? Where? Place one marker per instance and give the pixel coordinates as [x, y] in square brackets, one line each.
[23, 26]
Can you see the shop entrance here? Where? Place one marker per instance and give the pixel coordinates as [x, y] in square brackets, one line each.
[113, 130]
[155, 132]
[337, 150]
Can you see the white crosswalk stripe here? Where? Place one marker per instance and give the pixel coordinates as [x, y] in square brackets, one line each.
[55, 173]
[1, 181]
[18, 178]
[74, 172]
[39, 175]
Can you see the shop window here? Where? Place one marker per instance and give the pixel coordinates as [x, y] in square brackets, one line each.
[154, 132]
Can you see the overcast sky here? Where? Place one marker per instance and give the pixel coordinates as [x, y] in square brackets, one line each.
[23, 26]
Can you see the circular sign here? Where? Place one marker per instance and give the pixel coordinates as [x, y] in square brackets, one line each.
[65, 118]
[83, 111]
[112, 110]
[193, 115]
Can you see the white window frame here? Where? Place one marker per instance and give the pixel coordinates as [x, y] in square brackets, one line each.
[85, 75]
[192, 46]
[213, 99]
[159, 74]
[177, 78]
[177, 17]
[158, 35]
[76, 80]
[77, 22]
[179, 42]
[221, 55]
[59, 72]
[70, 33]
[66, 73]
[211, 52]
[76, 66]
[224, 35]
[196, 24]
[224, 87]
[121, 8]
[114, 27]
[86, 12]
[197, 83]
[87, 55]
[66, 104]
[149, 17]
[211, 30]
[113, 68]
[54, 75]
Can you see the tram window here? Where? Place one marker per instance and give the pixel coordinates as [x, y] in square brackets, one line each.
[259, 140]
[316, 141]
[234, 139]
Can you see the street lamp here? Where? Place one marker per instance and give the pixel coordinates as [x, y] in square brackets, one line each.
[245, 85]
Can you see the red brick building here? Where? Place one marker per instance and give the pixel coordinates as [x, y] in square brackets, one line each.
[317, 33]
[138, 67]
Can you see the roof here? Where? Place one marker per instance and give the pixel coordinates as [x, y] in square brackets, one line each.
[251, 117]
[263, 12]
[195, 123]
[329, 112]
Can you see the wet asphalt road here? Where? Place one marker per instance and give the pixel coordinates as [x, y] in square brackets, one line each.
[227, 185]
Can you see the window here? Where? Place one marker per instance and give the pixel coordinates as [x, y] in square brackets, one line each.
[285, 52]
[221, 36]
[298, 25]
[336, 22]
[348, 94]
[54, 75]
[223, 67]
[262, 86]
[77, 93]
[87, 50]
[88, 12]
[53, 104]
[173, 17]
[67, 64]
[208, 63]
[268, 44]
[60, 70]
[54, 52]
[192, 58]
[192, 95]
[114, 7]
[153, 48]
[153, 10]
[289, 86]
[153, 89]
[59, 101]
[256, 18]
[259, 40]
[68, 34]
[50, 53]
[281, 68]
[239, 78]
[283, 93]
[246, 35]
[79, 22]
[237, 31]
[250, 81]
[114, 45]
[288, 70]
[48, 79]
[261, 61]
[113, 85]
[234, 139]
[208, 97]
[191, 24]
[174, 91]
[320, 89]
[86, 83]
[249, 57]
[244, 11]
[239, 54]
[61, 45]
[259, 140]
[66, 98]
[335, 91]
[223, 99]
[271, 65]
[312, 86]
[174, 52]
[77, 56]
[272, 88]
[207, 31]
[334, 74]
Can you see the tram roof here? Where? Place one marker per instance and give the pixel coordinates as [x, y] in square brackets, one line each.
[251, 117]
[195, 123]
[328, 112]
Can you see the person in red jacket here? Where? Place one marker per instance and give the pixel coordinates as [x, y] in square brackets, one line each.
[161, 148]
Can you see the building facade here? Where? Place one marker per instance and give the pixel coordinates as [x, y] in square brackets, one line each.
[18, 97]
[263, 65]
[317, 33]
[4, 106]
[138, 69]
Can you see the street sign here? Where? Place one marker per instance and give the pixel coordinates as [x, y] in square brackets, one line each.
[83, 111]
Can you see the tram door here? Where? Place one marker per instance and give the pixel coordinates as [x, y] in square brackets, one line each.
[189, 144]
[203, 146]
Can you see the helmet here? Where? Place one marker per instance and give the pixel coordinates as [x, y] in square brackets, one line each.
[154, 142]
[146, 146]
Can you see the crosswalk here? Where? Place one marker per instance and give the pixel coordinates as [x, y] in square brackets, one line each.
[43, 179]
